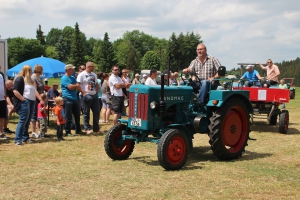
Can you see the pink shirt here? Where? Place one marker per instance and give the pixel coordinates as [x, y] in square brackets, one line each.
[272, 72]
[41, 114]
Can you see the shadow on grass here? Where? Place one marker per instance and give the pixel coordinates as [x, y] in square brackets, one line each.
[262, 127]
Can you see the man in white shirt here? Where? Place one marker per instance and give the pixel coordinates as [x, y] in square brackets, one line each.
[151, 80]
[116, 84]
[87, 80]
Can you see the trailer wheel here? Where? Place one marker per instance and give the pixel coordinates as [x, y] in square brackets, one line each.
[273, 120]
[292, 94]
[229, 129]
[173, 149]
[115, 147]
[284, 121]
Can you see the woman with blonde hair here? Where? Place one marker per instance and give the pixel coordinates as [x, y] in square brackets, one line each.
[39, 86]
[25, 93]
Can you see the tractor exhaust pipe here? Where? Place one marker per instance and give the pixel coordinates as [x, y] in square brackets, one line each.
[162, 103]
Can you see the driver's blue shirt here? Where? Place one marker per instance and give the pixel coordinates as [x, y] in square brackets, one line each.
[251, 76]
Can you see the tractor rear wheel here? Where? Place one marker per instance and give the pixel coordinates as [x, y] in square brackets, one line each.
[229, 129]
[115, 147]
[173, 149]
[284, 121]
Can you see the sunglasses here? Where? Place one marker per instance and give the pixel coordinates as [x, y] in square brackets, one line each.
[269, 62]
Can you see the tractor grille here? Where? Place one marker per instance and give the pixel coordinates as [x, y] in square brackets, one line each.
[138, 105]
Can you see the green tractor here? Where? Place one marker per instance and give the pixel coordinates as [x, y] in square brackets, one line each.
[171, 115]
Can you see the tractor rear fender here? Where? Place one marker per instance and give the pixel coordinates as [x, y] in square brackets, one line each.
[223, 97]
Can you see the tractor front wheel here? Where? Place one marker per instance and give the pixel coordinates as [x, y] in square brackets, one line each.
[173, 149]
[115, 147]
[284, 121]
[229, 129]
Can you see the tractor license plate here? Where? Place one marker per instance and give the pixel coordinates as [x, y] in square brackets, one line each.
[136, 122]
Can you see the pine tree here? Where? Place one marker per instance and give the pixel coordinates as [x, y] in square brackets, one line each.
[77, 48]
[60, 48]
[106, 54]
[40, 35]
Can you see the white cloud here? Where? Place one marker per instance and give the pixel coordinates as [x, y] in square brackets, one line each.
[233, 30]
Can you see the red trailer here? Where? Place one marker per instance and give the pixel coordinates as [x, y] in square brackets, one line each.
[266, 102]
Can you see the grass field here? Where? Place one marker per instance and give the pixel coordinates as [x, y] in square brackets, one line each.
[79, 168]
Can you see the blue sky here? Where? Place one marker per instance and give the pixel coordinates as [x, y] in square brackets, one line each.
[233, 30]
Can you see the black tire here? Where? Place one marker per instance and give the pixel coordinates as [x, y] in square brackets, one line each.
[284, 121]
[292, 94]
[173, 149]
[273, 120]
[115, 147]
[229, 129]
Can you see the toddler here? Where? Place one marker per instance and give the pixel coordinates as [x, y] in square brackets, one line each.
[60, 117]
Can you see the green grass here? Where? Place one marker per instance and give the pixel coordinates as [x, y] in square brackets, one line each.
[79, 168]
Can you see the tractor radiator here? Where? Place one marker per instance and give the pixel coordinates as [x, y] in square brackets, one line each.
[138, 105]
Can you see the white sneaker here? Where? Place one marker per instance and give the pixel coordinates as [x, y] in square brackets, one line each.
[101, 120]
[34, 135]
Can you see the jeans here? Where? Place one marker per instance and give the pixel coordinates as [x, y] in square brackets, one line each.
[25, 114]
[90, 102]
[72, 108]
[59, 131]
[203, 91]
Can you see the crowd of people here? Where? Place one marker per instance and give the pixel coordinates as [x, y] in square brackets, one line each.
[101, 93]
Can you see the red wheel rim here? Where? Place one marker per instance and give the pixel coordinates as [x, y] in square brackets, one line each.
[176, 150]
[120, 146]
[235, 129]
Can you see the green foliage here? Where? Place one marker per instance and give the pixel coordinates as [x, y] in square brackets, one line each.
[53, 36]
[77, 48]
[140, 41]
[150, 60]
[182, 49]
[40, 35]
[60, 48]
[106, 54]
[21, 49]
[51, 52]
[127, 56]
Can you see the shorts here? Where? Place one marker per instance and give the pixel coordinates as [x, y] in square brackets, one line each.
[117, 104]
[104, 104]
[3, 106]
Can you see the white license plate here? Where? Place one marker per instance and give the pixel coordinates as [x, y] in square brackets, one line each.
[136, 122]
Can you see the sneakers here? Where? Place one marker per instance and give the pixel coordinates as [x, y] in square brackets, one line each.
[88, 132]
[19, 144]
[98, 132]
[101, 120]
[70, 135]
[28, 141]
[3, 137]
[7, 131]
[34, 135]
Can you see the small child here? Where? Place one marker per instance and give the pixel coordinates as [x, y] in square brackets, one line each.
[42, 116]
[60, 117]
[282, 85]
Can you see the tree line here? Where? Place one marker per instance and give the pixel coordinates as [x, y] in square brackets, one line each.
[135, 50]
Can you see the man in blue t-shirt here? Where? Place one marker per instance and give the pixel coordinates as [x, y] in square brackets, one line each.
[69, 87]
[253, 77]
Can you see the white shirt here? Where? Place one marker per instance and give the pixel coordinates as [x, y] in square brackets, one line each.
[2, 93]
[113, 79]
[29, 92]
[150, 81]
[127, 80]
[88, 82]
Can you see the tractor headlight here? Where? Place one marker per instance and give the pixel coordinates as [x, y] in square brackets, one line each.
[153, 105]
[125, 102]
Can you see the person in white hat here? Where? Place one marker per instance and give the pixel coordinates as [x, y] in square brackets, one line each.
[136, 80]
[253, 77]
[144, 78]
